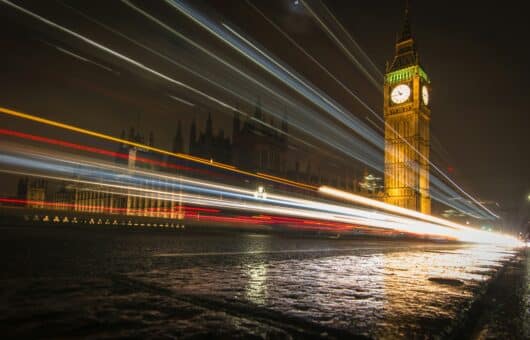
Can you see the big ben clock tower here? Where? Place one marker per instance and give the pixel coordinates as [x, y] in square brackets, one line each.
[407, 116]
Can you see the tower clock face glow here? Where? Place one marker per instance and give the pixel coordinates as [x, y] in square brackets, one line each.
[400, 94]
[425, 95]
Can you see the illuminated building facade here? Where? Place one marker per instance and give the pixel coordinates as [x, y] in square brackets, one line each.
[33, 190]
[407, 116]
[254, 147]
[98, 199]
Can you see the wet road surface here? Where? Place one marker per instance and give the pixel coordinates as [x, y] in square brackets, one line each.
[104, 282]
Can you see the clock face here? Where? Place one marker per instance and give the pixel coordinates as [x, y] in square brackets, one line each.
[425, 95]
[400, 94]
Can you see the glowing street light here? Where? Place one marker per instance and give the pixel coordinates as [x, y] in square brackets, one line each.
[260, 193]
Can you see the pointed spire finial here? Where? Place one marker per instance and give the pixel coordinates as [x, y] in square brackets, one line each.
[406, 32]
[406, 54]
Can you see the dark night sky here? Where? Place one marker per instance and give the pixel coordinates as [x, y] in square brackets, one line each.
[475, 52]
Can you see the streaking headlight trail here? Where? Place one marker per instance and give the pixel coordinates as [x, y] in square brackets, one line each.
[110, 178]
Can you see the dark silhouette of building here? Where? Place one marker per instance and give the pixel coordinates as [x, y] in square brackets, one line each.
[257, 146]
[178, 140]
[261, 144]
[209, 145]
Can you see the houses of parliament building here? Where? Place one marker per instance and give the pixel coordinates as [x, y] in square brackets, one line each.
[253, 146]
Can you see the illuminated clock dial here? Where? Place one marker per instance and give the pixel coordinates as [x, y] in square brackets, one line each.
[425, 95]
[400, 94]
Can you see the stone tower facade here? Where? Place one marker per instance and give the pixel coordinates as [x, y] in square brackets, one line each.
[407, 115]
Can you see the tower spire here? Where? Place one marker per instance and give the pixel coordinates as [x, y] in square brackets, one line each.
[406, 54]
[406, 33]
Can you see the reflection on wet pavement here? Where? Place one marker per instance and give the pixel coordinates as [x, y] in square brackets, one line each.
[116, 283]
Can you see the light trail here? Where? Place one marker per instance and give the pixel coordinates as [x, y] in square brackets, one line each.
[95, 173]
[290, 73]
[196, 91]
[79, 57]
[137, 64]
[183, 101]
[370, 163]
[190, 199]
[88, 207]
[229, 197]
[396, 223]
[162, 180]
[89, 149]
[121, 56]
[376, 70]
[222, 87]
[276, 69]
[189, 213]
[72, 161]
[146, 147]
[412, 226]
[354, 144]
[402, 211]
[313, 59]
[93, 150]
[91, 133]
[98, 171]
[341, 46]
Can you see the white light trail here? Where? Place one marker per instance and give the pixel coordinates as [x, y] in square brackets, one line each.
[378, 73]
[183, 101]
[222, 87]
[217, 101]
[341, 46]
[313, 59]
[81, 58]
[273, 67]
[280, 66]
[119, 55]
[356, 148]
[466, 233]
[165, 187]
[353, 149]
